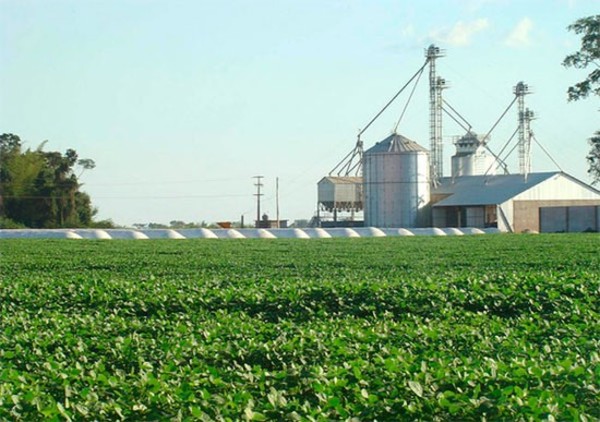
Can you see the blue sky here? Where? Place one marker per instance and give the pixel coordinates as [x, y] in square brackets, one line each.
[180, 103]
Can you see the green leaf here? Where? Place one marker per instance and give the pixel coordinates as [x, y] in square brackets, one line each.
[196, 411]
[416, 388]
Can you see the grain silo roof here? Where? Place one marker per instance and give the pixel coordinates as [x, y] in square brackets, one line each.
[395, 143]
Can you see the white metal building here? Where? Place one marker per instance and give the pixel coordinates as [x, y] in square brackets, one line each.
[510, 202]
[471, 157]
[341, 192]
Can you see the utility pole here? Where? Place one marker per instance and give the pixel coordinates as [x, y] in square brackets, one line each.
[258, 185]
[277, 200]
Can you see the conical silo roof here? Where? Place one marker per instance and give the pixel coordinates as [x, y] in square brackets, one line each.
[395, 143]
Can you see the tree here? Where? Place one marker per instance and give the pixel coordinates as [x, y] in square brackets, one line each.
[9, 143]
[18, 173]
[594, 157]
[86, 164]
[40, 189]
[588, 55]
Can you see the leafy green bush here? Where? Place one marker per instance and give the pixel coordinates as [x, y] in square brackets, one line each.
[7, 223]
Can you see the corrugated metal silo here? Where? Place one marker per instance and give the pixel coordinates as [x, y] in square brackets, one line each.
[397, 183]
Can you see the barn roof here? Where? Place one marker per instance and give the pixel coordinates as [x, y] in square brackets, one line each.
[486, 190]
[341, 180]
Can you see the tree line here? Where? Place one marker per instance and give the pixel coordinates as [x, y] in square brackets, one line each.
[40, 189]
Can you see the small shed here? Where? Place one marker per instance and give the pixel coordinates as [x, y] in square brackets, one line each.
[342, 193]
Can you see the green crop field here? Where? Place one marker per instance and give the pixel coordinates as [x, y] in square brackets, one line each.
[498, 327]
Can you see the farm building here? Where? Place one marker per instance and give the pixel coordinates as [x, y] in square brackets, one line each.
[511, 202]
[397, 191]
[341, 193]
[404, 184]
[342, 196]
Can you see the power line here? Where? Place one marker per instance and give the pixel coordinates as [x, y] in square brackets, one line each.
[145, 182]
[149, 182]
[129, 197]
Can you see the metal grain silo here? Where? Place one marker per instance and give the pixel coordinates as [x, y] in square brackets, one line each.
[396, 184]
[471, 158]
